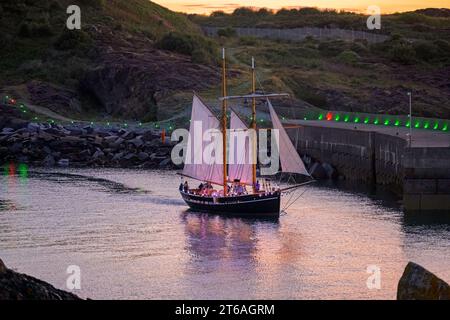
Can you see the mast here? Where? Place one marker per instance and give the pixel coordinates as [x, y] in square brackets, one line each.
[253, 126]
[224, 123]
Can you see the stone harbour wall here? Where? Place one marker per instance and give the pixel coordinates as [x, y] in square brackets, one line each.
[420, 175]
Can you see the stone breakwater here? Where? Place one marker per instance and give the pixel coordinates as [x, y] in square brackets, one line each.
[73, 145]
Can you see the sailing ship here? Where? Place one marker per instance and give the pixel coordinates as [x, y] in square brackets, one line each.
[235, 175]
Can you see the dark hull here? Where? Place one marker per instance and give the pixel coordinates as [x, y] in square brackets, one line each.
[244, 206]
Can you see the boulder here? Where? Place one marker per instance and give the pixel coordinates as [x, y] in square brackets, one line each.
[98, 154]
[17, 286]
[137, 142]
[63, 163]
[417, 283]
[2, 267]
[143, 156]
[118, 156]
[128, 135]
[49, 161]
[165, 162]
[7, 130]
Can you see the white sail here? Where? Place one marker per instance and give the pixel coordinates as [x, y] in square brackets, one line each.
[289, 157]
[196, 166]
[240, 153]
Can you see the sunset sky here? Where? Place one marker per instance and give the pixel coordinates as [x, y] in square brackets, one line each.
[387, 6]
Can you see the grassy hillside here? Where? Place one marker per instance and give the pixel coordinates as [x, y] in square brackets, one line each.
[40, 54]
[351, 76]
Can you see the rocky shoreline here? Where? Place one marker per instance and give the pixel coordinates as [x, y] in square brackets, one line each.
[46, 144]
[18, 286]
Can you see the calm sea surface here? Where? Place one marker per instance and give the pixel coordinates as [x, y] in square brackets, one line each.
[132, 237]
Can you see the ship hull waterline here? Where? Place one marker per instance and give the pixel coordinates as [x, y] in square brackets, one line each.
[256, 205]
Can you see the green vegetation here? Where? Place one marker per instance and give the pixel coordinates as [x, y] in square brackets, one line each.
[421, 24]
[200, 49]
[344, 75]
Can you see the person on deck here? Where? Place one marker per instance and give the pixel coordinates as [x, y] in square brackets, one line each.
[186, 186]
[257, 186]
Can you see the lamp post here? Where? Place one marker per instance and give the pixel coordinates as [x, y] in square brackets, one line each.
[410, 119]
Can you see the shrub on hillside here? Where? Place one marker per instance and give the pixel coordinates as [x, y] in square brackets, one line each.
[443, 48]
[199, 49]
[73, 39]
[93, 3]
[28, 30]
[24, 30]
[244, 11]
[226, 32]
[331, 48]
[218, 13]
[177, 42]
[348, 57]
[402, 53]
[425, 50]
[42, 30]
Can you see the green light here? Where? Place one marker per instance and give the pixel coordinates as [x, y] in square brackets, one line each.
[107, 123]
[376, 121]
[320, 116]
[426, 125]
[337, 117]
[366, 120]
[356, 120]
[21, 106]
[305, 118]
[436, 126]
[445, 128]
[346, 118]
[397, 123]
[126, 124]
[417, 125]
[92, 123]
[140, 124]
[23, 171]
[407, 124]
[35, 118]
[386, 122]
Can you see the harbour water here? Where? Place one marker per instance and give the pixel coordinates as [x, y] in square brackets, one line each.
[133, 238]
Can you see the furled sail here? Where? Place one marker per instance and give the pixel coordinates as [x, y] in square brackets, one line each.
[240, 151]
[195, 164]
[289, 157]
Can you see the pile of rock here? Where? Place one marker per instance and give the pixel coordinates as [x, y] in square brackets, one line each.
[17, 286]
[51, 145]
[417, 283]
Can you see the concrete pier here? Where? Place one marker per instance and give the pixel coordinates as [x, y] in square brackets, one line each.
[381, 155]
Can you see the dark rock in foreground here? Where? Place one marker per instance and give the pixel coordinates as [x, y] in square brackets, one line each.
[17, 286]
[417, 283]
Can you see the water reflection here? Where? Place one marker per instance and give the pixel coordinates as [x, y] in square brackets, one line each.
[223, 239]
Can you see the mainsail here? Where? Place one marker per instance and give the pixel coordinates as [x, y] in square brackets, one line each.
[239, 151]
[289, 157]
[202, 120]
